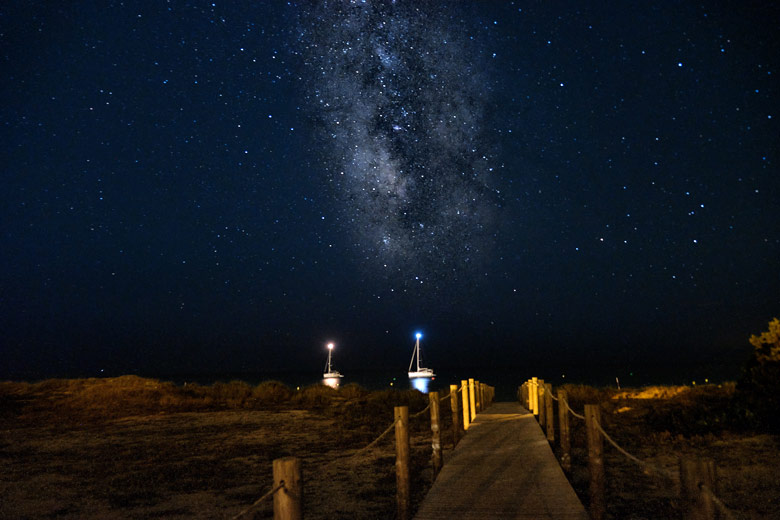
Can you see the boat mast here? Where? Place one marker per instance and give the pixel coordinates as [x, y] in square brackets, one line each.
[330, 350]
[416, 353]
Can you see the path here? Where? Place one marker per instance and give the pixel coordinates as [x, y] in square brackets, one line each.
[503, 468]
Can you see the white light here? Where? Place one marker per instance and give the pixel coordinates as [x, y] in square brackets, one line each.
[330, 346]
[418, 335]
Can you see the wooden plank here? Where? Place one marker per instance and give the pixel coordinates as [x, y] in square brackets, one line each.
[503, 468]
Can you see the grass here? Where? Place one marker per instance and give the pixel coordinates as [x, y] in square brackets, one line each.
[661, 425]
[141, 448]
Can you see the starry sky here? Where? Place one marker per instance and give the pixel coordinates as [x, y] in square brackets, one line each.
[227, 186]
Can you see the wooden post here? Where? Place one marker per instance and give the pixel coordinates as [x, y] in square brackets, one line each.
[540, 403]
[402, 496]
[535, 396]
[477, 396]
[694, 474]
[598, 506]
[436, 459]
[455, 415]
[564, 439]
[472, 400]
[549, 412]
[526, 396]
[464, 385]
[288, 501]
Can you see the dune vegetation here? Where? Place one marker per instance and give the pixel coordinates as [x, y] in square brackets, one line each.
[131, 447]
[660, 425]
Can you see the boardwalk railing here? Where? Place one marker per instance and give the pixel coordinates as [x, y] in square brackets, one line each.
[696, 477]
[287, 488]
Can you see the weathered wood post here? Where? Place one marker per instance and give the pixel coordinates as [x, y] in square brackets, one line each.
[472, 400]
[548, 414]
[694, 475]
[598, 507]
[464, 387]
[541, 400]
[477, 395]
[288, 501]
[402, 496]
[436, 459]
[564, 437]
[455, 415]
[535, 396]
[526, 396]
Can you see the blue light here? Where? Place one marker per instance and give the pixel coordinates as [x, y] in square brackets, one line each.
[418, 335]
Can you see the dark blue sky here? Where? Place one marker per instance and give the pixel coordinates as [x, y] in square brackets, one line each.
[208, 186]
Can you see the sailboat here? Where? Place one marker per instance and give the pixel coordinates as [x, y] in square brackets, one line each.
[420, 371]
[329, 372]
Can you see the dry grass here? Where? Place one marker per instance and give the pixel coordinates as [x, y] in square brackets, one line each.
[130, 447]
[662, 424]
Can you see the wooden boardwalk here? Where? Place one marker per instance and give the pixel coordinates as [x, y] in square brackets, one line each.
[503, 468]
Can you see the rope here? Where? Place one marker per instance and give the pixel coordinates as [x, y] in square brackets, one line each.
[257, 502]
[646, 465]
[663, 472]
[553, 396]
[420, 412]
[575, 414]
[725, 510]
[445, 397]
[373, 443]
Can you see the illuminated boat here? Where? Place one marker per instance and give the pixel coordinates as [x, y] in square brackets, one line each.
[420, 371]
[329, 372]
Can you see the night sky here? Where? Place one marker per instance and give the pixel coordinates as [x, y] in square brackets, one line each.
[202, 187]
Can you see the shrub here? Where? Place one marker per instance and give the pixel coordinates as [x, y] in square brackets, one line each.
[233, 394]
[759, 388]
[272, 392]
[314, 396]
[352, 391]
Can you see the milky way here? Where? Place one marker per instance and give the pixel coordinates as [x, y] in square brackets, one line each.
[399, 93]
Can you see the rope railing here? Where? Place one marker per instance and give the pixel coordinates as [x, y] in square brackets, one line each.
[644, 464]
[374, 442]
[594, 424]
[259, 501]
[715, 500]
[418, 414]
[575, 414]
[289, 468]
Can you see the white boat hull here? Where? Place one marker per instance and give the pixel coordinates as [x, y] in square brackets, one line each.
[423, 372]
[331, 375]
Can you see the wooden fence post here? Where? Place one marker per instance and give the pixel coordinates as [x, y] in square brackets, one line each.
[540, 403]
[535, 396]
[527, 395]
[548, 414]
[472, 400]
[595, 462]
[402, 497]
[288, 501]
[477, 395]
[433, 400]
[464, 385]
[455, 415]
[564, 437]
[695, 473]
